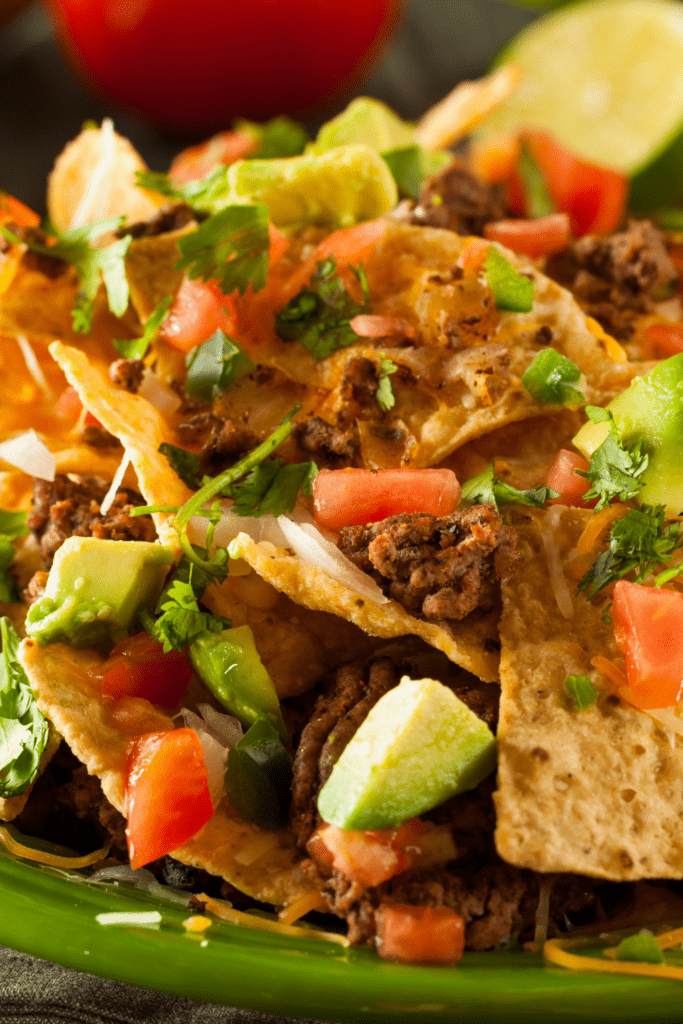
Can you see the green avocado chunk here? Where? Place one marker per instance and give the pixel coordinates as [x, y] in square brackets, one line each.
[94, 589]
[365, 122]
[418, 746]
[652, 406]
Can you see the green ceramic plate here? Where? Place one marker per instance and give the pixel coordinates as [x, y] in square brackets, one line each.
[52, 914]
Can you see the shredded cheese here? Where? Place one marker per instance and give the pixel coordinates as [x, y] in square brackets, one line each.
[52, 859]
[609, 670]
[610, 344]
[596, 526]
[302, 906]
[558, 582]
[226, 913]
[197, 923]
[108, 499]
[557, 952]
[33, 366]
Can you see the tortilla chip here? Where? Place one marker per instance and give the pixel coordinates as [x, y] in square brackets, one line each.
[116, 194]
[471, 643]
[597, 792]
[150, 270]
[137, 424]
[72, 700]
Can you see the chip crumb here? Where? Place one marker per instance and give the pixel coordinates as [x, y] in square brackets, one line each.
[196, 923]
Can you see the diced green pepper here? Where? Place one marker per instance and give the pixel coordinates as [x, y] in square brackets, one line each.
[552, 379]
[581, 692]
[230, 666]
[511, 290]
[259, 776]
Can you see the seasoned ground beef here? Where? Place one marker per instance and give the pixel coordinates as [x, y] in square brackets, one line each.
[50, 266]
[618, 276]
[227, 442]
[442, 568]
[337, 714]
[71, 507]
[97, 437]
[169, 218]
[454, 198]
[127, 373]
[360, 382]
[331, 444]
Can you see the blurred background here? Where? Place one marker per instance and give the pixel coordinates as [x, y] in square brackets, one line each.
[43, 103]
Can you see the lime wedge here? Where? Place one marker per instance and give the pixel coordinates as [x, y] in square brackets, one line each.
[605, 78]
[336, 189]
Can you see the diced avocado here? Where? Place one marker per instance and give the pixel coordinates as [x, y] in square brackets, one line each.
[418, 746]
[365, 122]
[335, 189]
[230, 666]
[652, 406]
[94, 589]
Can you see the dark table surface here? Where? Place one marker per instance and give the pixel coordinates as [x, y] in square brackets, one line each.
[42, 106]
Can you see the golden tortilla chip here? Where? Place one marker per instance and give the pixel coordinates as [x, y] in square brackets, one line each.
[596, 792]
[471, 643]
[72, 700]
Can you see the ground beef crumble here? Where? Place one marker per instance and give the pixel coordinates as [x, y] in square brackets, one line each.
[442, 568]
[70, 507]
[455, 199]
[619, 276]
[332, 445]
[127, 373]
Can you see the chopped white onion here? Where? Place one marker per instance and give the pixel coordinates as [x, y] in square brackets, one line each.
[226, 728]
[670, 721]
[259, 528]
[159, 395]
[33, 366]
[139, 918]
[141, 879]
[108, 499]
[558, 582]
[97, 190]
[214, 751]
[307, 541]
[28, 453]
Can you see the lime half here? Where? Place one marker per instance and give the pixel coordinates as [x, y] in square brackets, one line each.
[605, 78]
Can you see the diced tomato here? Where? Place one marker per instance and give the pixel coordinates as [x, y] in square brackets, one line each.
[69, 405]
[167, 793]
[420, 935]
[533, 238]
[666, 339]
[648, 626]
[279, 244]
[138, 667]
[348, 246]
[472, 256]
[13, 210]
[594, 197]
[197, 161]
[198, 309]
[352, 497]
[371, 858]
[564, 479]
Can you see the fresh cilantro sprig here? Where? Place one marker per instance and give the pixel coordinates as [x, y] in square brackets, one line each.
[640, 541]
[320, 316]
[180, 617]
[488, 489]
[385, 397]
[203, 195]
[12, 526]
[615, 470]
[136, 348]
[24, 730]
[281, 136]
[272, 487]
[92, 265]
[230, 247]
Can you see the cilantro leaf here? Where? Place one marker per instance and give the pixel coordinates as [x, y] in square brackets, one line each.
[24, 730]
[319, 317]
[410, 165]
[185, 464]
[487, 489]
[136, 348]
[12, 526]
[281, 136]
[537, 198]
[230, 246]
[614, 470]
[181, 620]
[638, 541]
[202, 195]
[385, 393]
[272, 487]
[214, 365]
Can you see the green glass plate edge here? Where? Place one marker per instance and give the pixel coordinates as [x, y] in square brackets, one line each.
[51, 914]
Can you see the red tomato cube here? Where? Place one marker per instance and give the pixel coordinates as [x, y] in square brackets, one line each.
[648, 626]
